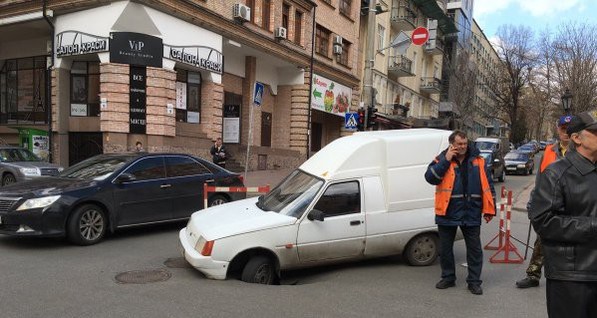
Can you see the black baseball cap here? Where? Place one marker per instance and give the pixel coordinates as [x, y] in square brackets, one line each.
[585, 120]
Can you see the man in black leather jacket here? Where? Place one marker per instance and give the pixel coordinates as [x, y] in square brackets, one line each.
[564, 214]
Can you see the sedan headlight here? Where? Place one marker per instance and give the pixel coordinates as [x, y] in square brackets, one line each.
[38, 203]
[522, 166]
[30, 171]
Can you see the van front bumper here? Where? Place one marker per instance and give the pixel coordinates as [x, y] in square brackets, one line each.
[205, 264]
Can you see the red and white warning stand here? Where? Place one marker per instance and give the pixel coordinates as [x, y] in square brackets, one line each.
[500, 235]
[507, 247]
[207, 189]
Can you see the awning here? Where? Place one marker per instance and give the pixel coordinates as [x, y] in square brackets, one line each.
[431, 9]
[393, 122]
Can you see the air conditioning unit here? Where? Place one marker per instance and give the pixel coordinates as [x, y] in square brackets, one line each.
[337, 39]
[241, 12]
[280, 33]
[337, 49]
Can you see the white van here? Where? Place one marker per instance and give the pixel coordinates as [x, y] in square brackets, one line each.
[361, 196]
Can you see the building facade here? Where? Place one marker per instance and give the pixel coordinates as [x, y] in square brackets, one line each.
[98, 76]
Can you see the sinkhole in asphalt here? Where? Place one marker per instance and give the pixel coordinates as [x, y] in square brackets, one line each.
[177, 262]
[143, 276]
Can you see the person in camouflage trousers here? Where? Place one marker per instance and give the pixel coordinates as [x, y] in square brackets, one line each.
[552, 153]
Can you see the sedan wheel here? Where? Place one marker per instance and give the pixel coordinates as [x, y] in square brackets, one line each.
[87, 225]
[502, 177]
[259, 270]
[422, 250]
[8, 178]
[218, 200]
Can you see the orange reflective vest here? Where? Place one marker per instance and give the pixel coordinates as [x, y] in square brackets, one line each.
[443, 191]
[549, 156]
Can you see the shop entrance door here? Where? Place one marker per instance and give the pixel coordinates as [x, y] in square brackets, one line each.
[83, 145]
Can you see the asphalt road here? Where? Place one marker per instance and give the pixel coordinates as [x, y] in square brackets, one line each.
[50, 278]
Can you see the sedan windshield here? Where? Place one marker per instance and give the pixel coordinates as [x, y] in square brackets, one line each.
[96, 168]
[17, 154]
[293, 195]
[516, 157]
[485, 145]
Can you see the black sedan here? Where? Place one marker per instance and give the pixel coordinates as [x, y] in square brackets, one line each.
[519, 163]
[111, 191]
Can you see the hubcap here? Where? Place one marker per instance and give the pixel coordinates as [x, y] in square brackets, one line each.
[218, 202]
[424, 249]
[91, 225]
[263, 274]
[9, 180]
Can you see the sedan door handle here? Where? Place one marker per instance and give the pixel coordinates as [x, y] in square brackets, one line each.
[164, 186]
[354, 223]
[210, 180]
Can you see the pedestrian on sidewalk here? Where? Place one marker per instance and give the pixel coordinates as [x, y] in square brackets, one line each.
[218, 153]
[552, 153]
[464, 192]
[564, 214]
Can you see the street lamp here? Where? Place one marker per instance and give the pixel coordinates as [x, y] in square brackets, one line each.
[567, 101]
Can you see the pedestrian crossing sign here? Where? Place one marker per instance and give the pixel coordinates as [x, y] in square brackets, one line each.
[351, 120]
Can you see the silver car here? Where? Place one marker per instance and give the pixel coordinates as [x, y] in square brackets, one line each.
[18, 164]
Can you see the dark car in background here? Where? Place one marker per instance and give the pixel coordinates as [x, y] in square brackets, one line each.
[530, 149]
[496, 165]
[111, 191]
[519, 163]
[19, 164]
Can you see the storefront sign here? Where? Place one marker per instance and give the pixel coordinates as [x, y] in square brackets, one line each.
[330, 97]
[78, 110]
[40, 146]
[193, 117]
[181, 95]
[231, 124]
[198, 56]
[135, 49]
[78, 43]
[138, 100]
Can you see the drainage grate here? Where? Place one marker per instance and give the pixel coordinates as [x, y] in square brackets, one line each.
[177, 262]
[143, 276]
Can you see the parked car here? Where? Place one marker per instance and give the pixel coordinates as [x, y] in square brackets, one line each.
[542, 145]
[527, 149]
[111, 191]
[339, 205]
[497, 166]
[519, 163]
[19, 164]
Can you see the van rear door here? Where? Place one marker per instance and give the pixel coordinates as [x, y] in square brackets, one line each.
[342, 232]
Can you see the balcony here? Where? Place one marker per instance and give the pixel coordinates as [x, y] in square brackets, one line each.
[434, 46]
[403, 17]
[431, 85]
[400, 66]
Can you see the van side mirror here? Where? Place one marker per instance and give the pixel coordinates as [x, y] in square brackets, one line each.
[125, 177]
[316, 215]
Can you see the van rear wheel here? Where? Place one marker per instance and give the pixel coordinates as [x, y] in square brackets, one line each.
[422, 250]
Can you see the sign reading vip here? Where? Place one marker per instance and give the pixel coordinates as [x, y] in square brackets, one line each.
[351, 120]
[258, 94]
[138, 100]
[135, 49]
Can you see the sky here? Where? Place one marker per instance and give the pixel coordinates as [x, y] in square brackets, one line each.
[536, 14]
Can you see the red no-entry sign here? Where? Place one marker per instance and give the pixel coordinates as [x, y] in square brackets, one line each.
[420, 36]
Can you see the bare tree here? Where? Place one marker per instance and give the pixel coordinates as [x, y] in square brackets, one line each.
[575, 61]
[515, 49]
[463, 81]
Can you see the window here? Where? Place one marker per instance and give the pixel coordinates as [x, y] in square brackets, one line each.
[343, 58]
[22, 90]
[188, 97]
[285, 15]
[339, 199]
[266, 14]
[148, 169]
[251, 5]
[345, 6]
[322, 39]
[84, 89]
[381, 36]
[184, 166]
[298, 27]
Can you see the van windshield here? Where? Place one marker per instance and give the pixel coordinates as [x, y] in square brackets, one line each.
[293, 195]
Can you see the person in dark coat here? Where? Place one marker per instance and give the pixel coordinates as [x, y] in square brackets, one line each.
[218, 153]
[563, 212]
[464, 193]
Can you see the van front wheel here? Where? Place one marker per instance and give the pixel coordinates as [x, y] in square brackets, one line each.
[422, 250]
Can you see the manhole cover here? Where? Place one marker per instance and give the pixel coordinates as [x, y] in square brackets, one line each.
[143, 276]
[177, 262]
